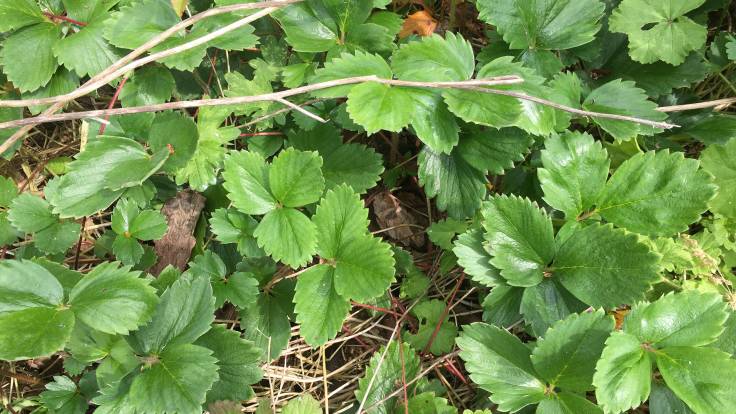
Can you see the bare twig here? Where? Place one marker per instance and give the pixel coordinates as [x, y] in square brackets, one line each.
[274, 96]
[124, 65]
[301, 110]
[698, 105]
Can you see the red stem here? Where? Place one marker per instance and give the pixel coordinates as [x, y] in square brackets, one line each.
[444, 314]
[376, 308]
[112, 102]
[64, 18]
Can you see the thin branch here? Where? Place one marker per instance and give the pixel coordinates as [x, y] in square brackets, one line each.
[122, 66]
[274, 96]
[698, 105]
[301, 110]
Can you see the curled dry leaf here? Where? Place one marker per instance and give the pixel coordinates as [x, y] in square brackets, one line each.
[420, 23]
[400, 224]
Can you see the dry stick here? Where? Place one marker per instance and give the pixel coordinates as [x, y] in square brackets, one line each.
[698, 105]
[122, 66]
[301, 110]
[274, 96]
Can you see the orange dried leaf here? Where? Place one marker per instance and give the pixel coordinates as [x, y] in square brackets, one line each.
[420, 23]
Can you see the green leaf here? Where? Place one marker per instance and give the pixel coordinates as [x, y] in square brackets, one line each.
[475, 259]
[494, 151]
[545, 25]
[376, 107]
[296, 177]
[34, 332]
[183, 314]
[701, 377]
[521, 239]
[288, 236]
[458, 186]
[603, 266]
[382, 375]
[266, 323]
[567, 403]
[431, 313]
[8, 191]
[623, 375]
[656, 193]
[150, 85]
[689, 318]
[86, 52]
[30, 71]
[353, 164]
[231, 226]
[575, 170]
[15, 14]
[127, 249]
[129, 221]
[239, 288]
[567, 354]
[97, 177]
[433, 123]
[340, 218]
[30, 214]
[364, 268]
[307, 30]
[176, 381]
[25, 284]
[62, 396]
[658, 78]
[304, 404]
[137, 22]
[623, 98]
[499, 363]
[428, 403]
[659, 30]
[545, 304]
[238, 364]
[720, 161]
[434, 59]
[663, 401]
[61, 83]
[177, 131]
[348, 66]
[443, 232]
[483, 108]
[247, 182]
[113, 299]
[501, 306]
[320, 310]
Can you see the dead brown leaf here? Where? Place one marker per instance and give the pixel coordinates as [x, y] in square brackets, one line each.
[398, 222]
[420, 23]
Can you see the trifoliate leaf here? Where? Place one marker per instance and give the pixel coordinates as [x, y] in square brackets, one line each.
[129, 221]
[15, 14]
[177, 380]
[86, 52]
[266, 323]
[545, 304]
[113, 299]
[150, 85]
[231, 226]
[603, 266]
[689, 318]
[137, 22]
[238, 364]
[32, 321]
[494, 151]
[433, 123]
[567, 354]
[559, 24]
[183, 314]
[246, 177]
[347, 66]
[383, 375]
[376, 107]
[659, 30]
[30, 71]
[340, 218]
[720, 161]
[127, 249]
[239, 288]
[458, 186]
[499, 363]
[176, 132]
[320, 310]
[656, 193]
[575, 170]
[701, 377]
[97, 177]
[623, 375]
[296, 178]
[623, 98]
[304, 404]
[353, 164]
[434, 59]
[62, 395]
[475, 259]
[430, 314]
[443, 232]
[521, 239]
[288, 236]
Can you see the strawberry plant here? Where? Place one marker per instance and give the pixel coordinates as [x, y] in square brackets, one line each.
[365, 206]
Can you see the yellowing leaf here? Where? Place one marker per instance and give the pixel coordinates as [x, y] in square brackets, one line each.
[179, 6]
